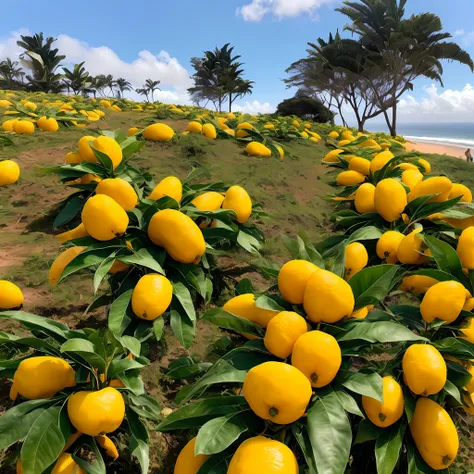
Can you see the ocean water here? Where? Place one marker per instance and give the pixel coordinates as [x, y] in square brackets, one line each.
[453, 134]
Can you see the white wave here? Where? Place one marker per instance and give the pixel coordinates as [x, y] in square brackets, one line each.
[457, 142]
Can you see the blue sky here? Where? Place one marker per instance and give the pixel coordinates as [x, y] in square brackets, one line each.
[269, 34]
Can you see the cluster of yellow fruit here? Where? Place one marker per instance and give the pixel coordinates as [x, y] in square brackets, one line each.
[93, 413]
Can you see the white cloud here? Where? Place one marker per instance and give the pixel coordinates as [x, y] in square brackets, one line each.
[451, 105]
[466, 38]
[255, 107]
[257, 9]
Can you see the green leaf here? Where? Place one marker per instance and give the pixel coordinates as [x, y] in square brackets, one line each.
[118, 319]
[183, 329]
[132, 344]
[31, 321]
[222, 318]
[367, 431]
[158, 326]
[366, 233]
[300, 432]
[72, 208]
[45, 441]
[348, 402]
[87, 258]
[117, 366]
[148, 405]
[416, 465]
[131, 379]
[17, 421]
[455, 347]
[184, 297]
[453, 391]
[139, 446]
[380, 331]
[446, 258]
[219, 433]
[195, 414]
[300, 249]
[86, 350]
[102, 271]
[388, 446]
[266, 302]
[330, 434]
[248, 242]
[218, 464]
[188, 371]
[370, 385]
[373, 284]
[143, 258]
[98, 465]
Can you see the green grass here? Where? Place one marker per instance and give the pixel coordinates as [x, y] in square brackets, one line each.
[291, 191]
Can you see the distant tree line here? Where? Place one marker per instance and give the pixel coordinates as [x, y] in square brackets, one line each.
[39, 69]
[371, 71]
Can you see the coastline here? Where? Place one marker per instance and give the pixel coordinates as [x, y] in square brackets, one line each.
[437, 149]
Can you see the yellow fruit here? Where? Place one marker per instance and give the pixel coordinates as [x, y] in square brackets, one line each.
[85, 149]
[47, 124]
[292, 279]
[470, 385]
[257, 149]
[8, 125]
[23, 127]
[230, 131]
[461, 190]
[417, 284]
[264, 456]
[19, 467]
[209, 131]
[178, 234]
[391, 410]
[440, 185]
[410, 248]
[30, 105]
[370, 144]
[120, 191]
[5, 103]
[318, 356]
[390, 199]
[210, 201]
[73, 158]
[118, 267]
[132, 131]
[444, 300]
[426, 165]
[465, 247]
[109, 147]
[408, 166]
[411, 178]
[244, 126]
[361, 165]
[66, 465]
[103, 218]
[194, 127]
[343, 143]
[95, 413]
[106, 443]
[158, 132]
[151, 296]
[238, 200]
[349, 178]
[362, 312]
[434, 434]
[282, 333]
[467, 330]
[90, 178]
[61, 262]
[333, 134]
[469, 401]
[187, 462]
[357, 258]
[327, 298]
[241, 134]
[277, 391]
[244, 307]
[380, 160]
[9, 172]
[387, 246]
[332, 156]
[10, 295]
[365, 198]
[42, 377]
[169, 186]
[424, 369]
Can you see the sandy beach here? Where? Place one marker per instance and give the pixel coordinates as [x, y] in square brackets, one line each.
[436, 148]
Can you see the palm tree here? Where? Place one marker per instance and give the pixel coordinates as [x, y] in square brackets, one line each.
[78, 79]
[151, 86]
[401, 49]
[98, 84]
[123, 85]
[10, 73]
[42, 61]
[143, 92]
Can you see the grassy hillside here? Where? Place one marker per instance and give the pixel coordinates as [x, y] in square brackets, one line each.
[291, 191]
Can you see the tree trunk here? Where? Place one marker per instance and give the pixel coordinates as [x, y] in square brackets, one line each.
[230, 102]
[393, 129]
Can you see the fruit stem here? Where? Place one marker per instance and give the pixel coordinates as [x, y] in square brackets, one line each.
[273, 412]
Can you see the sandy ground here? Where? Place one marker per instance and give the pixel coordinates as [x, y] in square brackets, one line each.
[436, 148]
